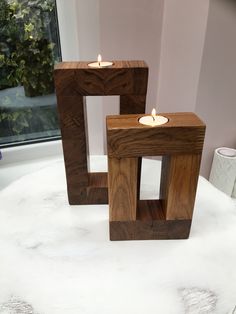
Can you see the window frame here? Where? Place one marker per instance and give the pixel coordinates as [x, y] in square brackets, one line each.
[69, 47]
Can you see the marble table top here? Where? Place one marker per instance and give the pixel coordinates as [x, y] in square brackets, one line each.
[57, 259]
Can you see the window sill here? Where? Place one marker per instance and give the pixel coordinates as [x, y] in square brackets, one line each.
[21, 160]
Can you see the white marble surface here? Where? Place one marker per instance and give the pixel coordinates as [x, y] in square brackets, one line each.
[56, 258]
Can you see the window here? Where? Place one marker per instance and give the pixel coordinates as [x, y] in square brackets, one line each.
[29, 47]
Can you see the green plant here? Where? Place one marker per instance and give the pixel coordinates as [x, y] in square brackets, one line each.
[28, 120]
[16, 121]
[30, 60]
[35, 66]
[33, 17]
[8, 39]
[34, 51]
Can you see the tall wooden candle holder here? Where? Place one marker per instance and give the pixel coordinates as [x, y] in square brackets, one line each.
[73, 81]
[180, 142]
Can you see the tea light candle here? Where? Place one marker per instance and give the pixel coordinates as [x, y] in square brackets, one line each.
[153, 120]
[100, 63]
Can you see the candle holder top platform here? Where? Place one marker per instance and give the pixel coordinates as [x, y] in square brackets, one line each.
[182, 134]
[180, 142]
[73, 81]
[122, 78]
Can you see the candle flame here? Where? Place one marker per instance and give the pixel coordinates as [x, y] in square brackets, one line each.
[153, 114]
[99, 58]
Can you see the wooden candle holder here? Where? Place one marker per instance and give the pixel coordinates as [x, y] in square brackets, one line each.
[180, 142]
[73, 81]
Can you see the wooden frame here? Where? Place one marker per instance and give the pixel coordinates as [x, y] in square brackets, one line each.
[180, 142]
[74, 81]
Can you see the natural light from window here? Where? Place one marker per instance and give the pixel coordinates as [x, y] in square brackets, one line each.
[29, 48]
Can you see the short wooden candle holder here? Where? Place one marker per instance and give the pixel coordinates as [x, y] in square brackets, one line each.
[180, 142]
[73, 81]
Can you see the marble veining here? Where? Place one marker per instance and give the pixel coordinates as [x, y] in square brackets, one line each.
[16, 306]
[57, 259]
[198, 300]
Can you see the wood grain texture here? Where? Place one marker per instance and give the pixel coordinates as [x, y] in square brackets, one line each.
[74, 143]
[181, 142]
[184, 133]
[148, 210]
[122, 180]
[150, 225]
[117, 64]
[95, 192]
[152, 230]
[123, 78]
[179, 178]
[89, 196]
[98, 179]
[73, 80]
[138, 104]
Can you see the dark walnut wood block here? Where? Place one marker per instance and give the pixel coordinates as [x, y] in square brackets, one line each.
[150, 224]
[180, 142]
[74, 81]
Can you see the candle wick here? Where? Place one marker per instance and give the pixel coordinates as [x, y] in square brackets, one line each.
[153, 118]
[99, 63]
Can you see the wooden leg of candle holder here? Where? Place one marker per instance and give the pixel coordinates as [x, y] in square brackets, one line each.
[169, 218]
[74, 145]
[97, 191]
[134, 104]
[83, 187]
[179, 179]
[122, 178]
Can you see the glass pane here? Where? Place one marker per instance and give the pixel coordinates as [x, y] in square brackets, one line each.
[29, 48]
